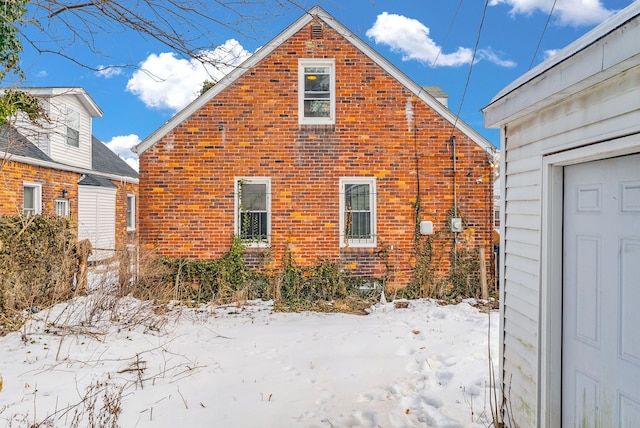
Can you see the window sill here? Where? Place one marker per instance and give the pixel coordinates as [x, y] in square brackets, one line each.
[249, 245]
[358, 245]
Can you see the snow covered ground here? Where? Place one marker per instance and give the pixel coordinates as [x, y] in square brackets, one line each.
[245, 366]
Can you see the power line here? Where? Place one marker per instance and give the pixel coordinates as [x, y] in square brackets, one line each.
[544, 30]
[473, 59]
[444, 41]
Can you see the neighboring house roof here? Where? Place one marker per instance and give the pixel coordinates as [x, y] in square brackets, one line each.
[104, 160]
[578, 66]
[314, 13]
[15, 144]
[106, 165]
[93, 180]
[50, 91]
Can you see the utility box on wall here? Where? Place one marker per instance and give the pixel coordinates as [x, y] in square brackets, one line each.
[426, 227]
[456, 224]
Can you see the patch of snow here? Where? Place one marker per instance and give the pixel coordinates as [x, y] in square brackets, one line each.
[243, 365]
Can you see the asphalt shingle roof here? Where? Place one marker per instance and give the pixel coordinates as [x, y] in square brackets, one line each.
[103, 159]
[11, 141]
[106, 161]
[92, 180]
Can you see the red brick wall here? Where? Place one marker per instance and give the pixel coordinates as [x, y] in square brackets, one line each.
[124, 237]
[13, 175]
[251, 129]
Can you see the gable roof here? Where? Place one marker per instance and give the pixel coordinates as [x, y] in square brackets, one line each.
[315, 13]
[51, 91]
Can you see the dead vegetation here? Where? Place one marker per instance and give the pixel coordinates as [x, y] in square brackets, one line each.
[43, 267]
[38, 263]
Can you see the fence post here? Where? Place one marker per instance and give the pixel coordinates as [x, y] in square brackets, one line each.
[84, 250]
[483, 275]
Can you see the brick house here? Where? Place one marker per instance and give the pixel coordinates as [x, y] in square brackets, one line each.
[318, 147]
[61, 169]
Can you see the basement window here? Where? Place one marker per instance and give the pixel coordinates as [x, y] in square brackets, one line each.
[62, 207]
[316, 92]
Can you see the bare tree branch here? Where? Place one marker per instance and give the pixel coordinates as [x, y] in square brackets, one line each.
[76, 6]
[187, 27]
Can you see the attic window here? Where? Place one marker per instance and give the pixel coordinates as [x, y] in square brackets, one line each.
[316, 91]
[316, 31]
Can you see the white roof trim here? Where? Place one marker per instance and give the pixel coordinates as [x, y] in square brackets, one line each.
[62, 167]
[569, 51]
[276, 42]
[80, 93]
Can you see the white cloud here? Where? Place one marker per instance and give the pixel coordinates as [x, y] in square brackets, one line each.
[108, 71]
[550, 52]
[122, 144]
[567, 12]
[411, 38]
[165, 81]
[489, 55]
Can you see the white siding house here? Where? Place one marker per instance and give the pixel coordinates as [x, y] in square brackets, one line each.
[67, 137]
[570, 232]
[67, 171]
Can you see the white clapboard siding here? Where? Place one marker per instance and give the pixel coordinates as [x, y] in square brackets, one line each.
[60, 150]
[586, 95]
[97, 219]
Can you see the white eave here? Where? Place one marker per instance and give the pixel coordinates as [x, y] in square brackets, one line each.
[63, 167]
[598, 55]
[78, 92]
[315, 12]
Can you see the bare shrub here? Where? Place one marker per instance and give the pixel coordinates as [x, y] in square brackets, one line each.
[101, 407]
[38, 263]
[150, 279]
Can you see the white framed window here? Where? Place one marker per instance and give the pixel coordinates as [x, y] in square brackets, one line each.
[131, 212]
[316, 91]
[253, 210]
[358, 212]
[31, 198]
[73, 127]
[62, 207]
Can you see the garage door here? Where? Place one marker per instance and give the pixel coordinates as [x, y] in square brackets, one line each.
[96, 219]
[601, 294]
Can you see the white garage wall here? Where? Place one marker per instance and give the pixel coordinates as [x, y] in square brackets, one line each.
[97, 219]
[600, 114]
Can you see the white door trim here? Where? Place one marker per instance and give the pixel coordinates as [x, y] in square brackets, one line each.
[550, 323]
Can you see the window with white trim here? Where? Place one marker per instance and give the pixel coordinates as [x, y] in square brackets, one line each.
[73, 127]
[62, 207]
[358, 212]
[131, 213]
[316, 91]
[31, 198]
[253, 210]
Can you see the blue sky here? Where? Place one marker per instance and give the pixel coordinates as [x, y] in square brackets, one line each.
[430, 41]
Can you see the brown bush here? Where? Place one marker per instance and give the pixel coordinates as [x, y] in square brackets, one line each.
[37, 265]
